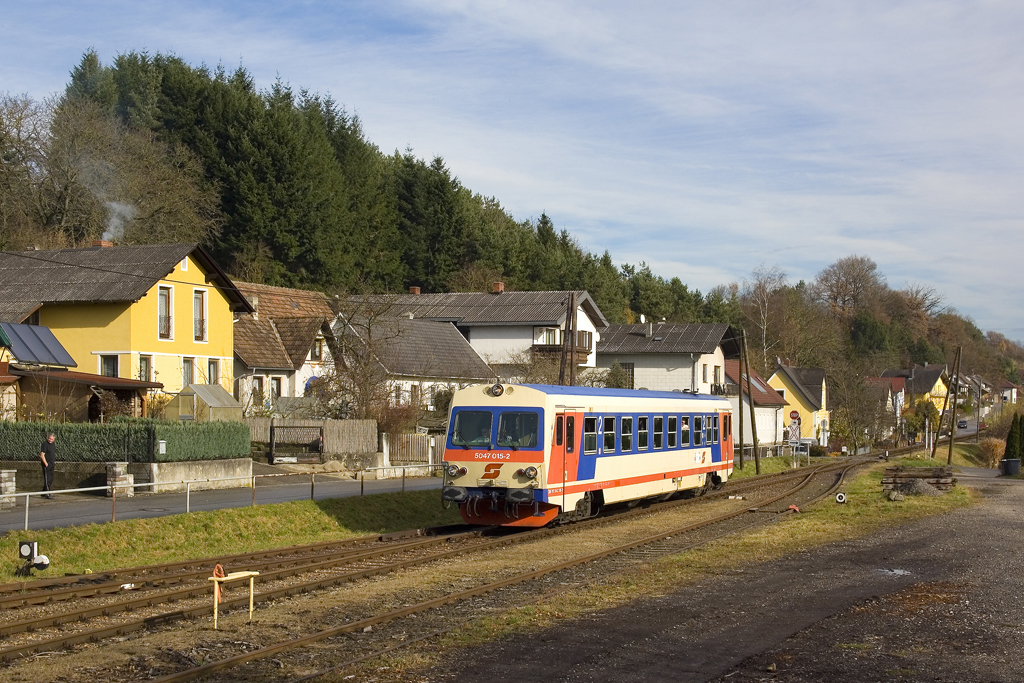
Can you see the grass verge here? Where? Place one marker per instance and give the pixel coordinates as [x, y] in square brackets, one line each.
[136, 542]
[866, 511]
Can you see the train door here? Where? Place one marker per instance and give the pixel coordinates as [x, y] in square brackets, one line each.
[714, 436]
[565, 449]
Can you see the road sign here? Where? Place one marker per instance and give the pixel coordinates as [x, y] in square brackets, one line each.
[794, 415]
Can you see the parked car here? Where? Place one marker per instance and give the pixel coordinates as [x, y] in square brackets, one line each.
[962, 424]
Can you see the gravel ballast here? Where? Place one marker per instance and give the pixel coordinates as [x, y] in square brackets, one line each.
[936, 600]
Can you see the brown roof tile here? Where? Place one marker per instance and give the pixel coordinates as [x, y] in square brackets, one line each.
[284, 302]
[759, 390]
[258, 345]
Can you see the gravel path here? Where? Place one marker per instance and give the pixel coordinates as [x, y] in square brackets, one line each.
[936, 600]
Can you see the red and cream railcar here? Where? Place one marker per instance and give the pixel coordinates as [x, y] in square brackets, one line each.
[526, 455]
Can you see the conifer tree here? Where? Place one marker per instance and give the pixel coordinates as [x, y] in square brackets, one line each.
[1013, 444]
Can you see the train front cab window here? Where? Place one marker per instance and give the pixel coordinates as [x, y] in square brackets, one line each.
[641, 432]
[589, 435]
[609, 434]
[471, 428]
[659, 432]
[570, 433]
[626, 435]
[559, 433]
[673, 430]
[518, 429]
[698, 429]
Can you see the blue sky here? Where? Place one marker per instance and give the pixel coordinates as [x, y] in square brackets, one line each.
[703, 138]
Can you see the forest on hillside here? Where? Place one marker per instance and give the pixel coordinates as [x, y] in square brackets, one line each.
[284, 188]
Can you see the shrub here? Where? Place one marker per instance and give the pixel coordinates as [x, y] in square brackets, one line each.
[818, 451]
[991, 451]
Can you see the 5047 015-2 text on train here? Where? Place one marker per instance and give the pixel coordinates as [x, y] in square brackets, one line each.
[533, 454]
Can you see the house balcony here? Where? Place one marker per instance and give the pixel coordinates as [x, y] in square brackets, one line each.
[727, 389]
[555, 351]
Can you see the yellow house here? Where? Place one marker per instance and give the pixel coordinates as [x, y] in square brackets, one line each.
[156, 313]
[806, 392]
[927, 382]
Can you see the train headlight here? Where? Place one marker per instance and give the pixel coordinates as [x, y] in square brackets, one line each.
[497, 390]
[530, 472]
[453, 471]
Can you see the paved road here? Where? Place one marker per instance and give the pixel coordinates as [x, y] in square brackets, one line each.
[73, 509]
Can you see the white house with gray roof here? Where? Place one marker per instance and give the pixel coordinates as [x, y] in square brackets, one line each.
[670, 356]
[502, 325]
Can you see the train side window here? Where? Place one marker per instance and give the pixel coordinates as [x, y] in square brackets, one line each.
[672, 431]
[558, 431]
[685, 441]
[570, 433]
[609, 434]
[659, 432]
[589, 435]
[626, 434]
[641, 433]
[714, 429]
[698, 429]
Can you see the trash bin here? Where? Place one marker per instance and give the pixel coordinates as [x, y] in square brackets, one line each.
[1009, 466]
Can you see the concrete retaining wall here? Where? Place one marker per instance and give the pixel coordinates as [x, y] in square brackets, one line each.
[166, 474]
[80, 475]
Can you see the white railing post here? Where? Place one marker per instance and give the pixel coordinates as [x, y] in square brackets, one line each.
[188, 497]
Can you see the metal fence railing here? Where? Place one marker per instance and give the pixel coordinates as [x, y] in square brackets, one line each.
[122, 488]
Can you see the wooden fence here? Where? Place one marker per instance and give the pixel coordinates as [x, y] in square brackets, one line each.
[409, 448]
[340, 436]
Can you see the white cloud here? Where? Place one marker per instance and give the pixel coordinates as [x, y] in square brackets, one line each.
[702, 138]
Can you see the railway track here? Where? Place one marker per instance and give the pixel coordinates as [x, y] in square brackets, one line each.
[628, 554]
[328, 565]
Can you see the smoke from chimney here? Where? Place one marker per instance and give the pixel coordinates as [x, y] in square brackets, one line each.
[120, 216]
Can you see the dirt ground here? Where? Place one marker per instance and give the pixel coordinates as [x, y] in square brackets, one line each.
[937, 600]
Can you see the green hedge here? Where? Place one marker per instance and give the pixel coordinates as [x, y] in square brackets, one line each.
[203, 441]
[126, 440]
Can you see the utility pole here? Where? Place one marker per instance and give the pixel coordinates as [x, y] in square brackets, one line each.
[570, 307]
[740, 405]
[753, 421]
[952, 415]
[945, 404]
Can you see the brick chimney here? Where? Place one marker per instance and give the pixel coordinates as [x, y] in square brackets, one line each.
[499, 287]
[100, 244]
[414, 290]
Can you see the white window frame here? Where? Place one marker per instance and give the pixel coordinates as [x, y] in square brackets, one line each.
[184, 264]
[170, 313]
[117, 364]
[206, 315]
[212, 363]
[185, 381]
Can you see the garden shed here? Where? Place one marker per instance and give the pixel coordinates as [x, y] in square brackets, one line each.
[204, 403]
